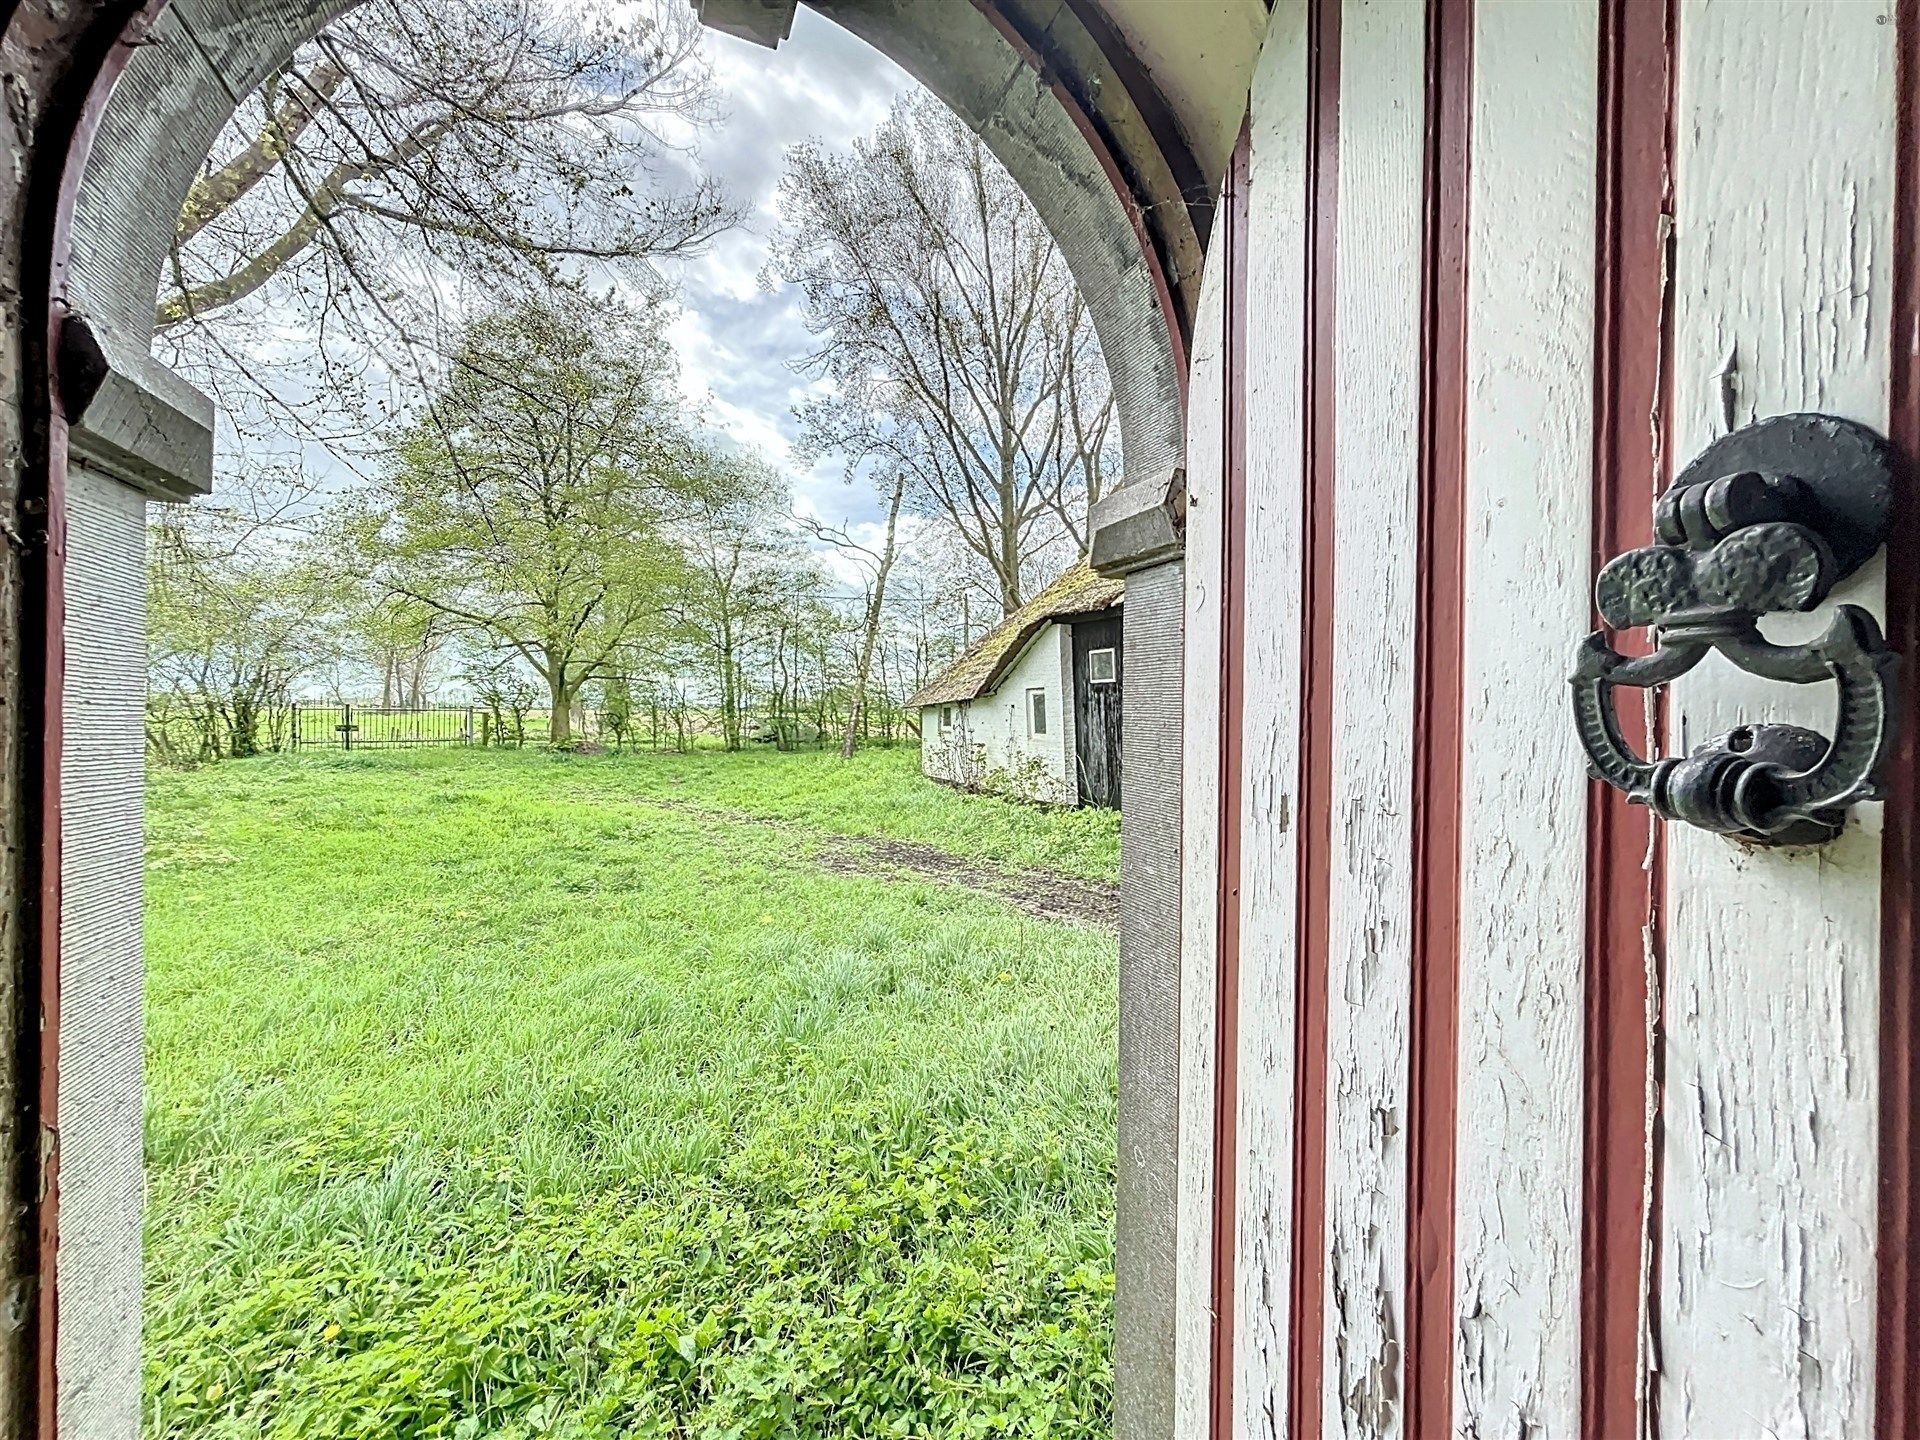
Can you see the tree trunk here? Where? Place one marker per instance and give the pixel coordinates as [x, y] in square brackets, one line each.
[243, 721]
[729, 698]
[560, 717]
[870, 632]
[1007, 570]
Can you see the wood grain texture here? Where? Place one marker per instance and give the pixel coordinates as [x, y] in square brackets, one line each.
[1276, 340]
[1528, 519]
[1231, 252]
[1783, 272]
[1433, 1002]
[1897, 1347]
[1377, 405]
[1199, 825]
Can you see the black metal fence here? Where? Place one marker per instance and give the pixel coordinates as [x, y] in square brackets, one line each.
[380, 727]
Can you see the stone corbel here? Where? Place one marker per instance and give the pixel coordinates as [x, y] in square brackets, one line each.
[130, 417]
[1142, 523]
[764, 22]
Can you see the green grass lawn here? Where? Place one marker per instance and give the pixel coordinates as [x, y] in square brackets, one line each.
[520, 1094]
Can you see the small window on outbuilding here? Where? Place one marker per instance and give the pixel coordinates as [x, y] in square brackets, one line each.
[1036, 712]
[946, 717]
[1100, 667]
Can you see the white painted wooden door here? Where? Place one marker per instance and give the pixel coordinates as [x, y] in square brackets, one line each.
[1509, 1111]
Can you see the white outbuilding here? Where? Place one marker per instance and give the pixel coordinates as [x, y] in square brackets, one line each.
[1033, 709]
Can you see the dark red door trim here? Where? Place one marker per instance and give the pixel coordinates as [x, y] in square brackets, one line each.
[1625, 849]
[1897, 1364]
[1307, 1298]
[1233, 672]
[1433, 1021]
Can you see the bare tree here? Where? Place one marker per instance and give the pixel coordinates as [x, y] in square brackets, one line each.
[497, 140]
[400, 638]
[747, 575]
[241, 606]
[878, 561]
[962, 356]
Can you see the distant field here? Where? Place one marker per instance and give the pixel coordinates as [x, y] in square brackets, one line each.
[509, 1094]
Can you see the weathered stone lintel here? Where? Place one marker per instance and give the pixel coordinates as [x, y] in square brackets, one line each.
[130, 417]
[764, 22]
[1140, 524]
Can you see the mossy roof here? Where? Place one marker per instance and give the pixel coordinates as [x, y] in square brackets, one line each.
[1077, 591]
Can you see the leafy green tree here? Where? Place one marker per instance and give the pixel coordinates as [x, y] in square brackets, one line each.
[241, 606]
[532, 500]
[616, 708]
[500, 684]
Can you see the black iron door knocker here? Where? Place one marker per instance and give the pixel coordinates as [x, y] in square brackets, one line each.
[1767, 519]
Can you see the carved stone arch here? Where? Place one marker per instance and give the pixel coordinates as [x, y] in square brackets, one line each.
[1125, 185]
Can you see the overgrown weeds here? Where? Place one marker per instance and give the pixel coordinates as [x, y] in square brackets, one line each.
[487, 1101]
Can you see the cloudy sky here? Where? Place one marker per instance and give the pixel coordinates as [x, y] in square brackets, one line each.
[738, 338]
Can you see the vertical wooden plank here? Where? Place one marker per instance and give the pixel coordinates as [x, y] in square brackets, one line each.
[1199, 827]
[1528, 516]
[1626, 849]
[1233, 586]
[1231, 249]
[1376, 455]
[1306, 1300]
[1783, 276]
[1433, 1006]
[1275, 447]
[1897, 1348]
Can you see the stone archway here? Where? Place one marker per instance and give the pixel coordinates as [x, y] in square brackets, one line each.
[1077, 121]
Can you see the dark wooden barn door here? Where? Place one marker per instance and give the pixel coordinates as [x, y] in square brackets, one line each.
[1096, 708]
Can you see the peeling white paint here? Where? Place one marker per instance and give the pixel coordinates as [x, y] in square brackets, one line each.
[1784, 194]
[1377, 459]
[1528, 519]
[1763, 1323]
[1200, 829]
[1276, 277]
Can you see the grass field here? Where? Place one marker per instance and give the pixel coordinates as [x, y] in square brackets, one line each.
[518, 1094]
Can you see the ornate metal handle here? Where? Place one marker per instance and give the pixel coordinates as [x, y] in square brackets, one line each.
[1769, 518]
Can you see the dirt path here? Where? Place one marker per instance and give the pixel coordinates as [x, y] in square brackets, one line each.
[1044, 894]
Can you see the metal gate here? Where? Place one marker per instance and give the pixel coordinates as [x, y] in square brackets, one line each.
[380, 727]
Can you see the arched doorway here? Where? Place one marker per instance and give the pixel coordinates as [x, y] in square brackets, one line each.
[1613, 1128]
[1121, 164]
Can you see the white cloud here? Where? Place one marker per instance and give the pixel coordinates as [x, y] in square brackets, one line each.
[737, 340]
